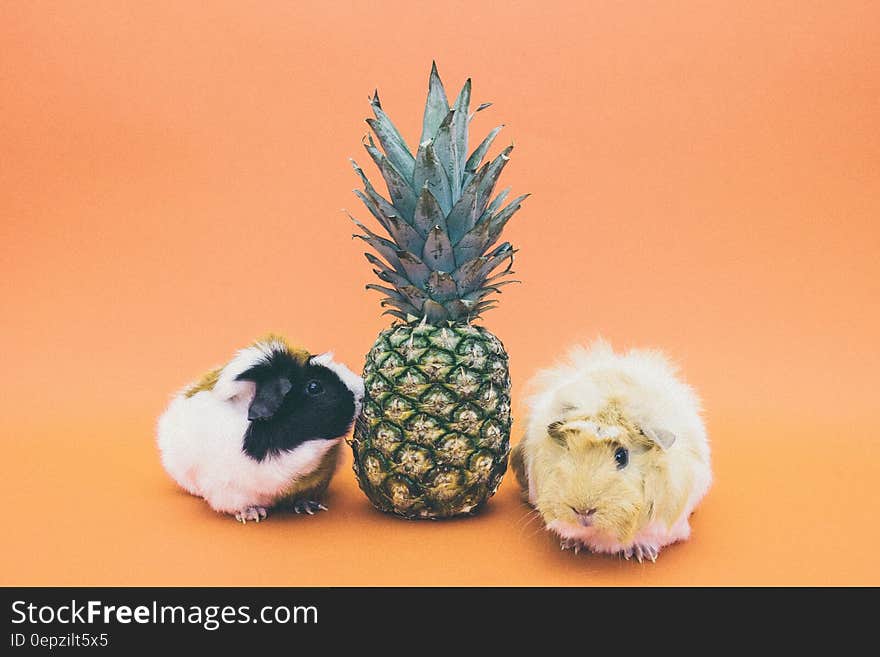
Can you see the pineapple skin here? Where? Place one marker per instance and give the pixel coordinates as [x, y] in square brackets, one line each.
[433, 438]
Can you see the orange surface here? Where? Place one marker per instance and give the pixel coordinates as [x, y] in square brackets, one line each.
[705, 179]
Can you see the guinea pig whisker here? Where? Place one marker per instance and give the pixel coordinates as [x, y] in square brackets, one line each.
[537, 530]
[528, 519]
[528, 513]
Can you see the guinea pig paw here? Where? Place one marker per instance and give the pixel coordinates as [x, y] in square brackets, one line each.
[308, 506]
[255, 513]
[570, 544]
[641, 552]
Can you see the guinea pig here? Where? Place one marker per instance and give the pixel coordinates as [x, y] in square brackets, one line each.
[262, 431]
[615, 456]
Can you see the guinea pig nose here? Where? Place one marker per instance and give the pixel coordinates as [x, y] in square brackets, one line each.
[585, 516]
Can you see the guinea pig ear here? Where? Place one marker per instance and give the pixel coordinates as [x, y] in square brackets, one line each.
[268, 398]
[555, 431]
[271, 388]
[661, 437]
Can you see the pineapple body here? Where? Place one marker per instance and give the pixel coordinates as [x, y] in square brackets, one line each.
[434, 436]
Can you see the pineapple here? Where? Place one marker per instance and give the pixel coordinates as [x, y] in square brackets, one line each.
[433, 438]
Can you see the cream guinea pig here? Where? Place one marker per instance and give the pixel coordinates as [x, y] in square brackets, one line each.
[615, 455]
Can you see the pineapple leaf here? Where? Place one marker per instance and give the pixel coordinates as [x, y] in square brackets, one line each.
[489, 177]
[380, 201]
[414, 296]
[476, 158]
[429, 173]
[509, 281]
[385, 248]
[473, 244]
[501, 251]
[474, 297]
[368, 186]
[463, 215]
[436, 107]
[458, 309]
[480, 293]
[386, 273]
[441, 286]
[391, 140]
[416, 270]
[394, 298]
[404, 235]
[428, 214]
[499, 276]
[444, 148]
[497, 223]
[433, 312]
[483, 306]
[401, 232]
[437, 253]
[370, 204]
[480, 108]
[384, 207]
[495, 204]
[486, 290]
[469, 276]
[494, 259]
[402, 196]
[397, 314]
[382, 247]
[460, 132]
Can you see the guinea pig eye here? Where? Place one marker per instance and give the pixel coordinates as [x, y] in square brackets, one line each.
[314, 388]
[621, 457]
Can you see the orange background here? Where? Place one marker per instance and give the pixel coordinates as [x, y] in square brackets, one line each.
[705, 179]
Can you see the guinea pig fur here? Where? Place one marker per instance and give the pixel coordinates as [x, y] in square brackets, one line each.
[262, 431]
[615, 455]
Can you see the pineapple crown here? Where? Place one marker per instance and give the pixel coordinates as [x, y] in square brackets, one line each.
[441, 260]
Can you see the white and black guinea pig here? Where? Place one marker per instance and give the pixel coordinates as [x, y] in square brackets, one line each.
[262, 431]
